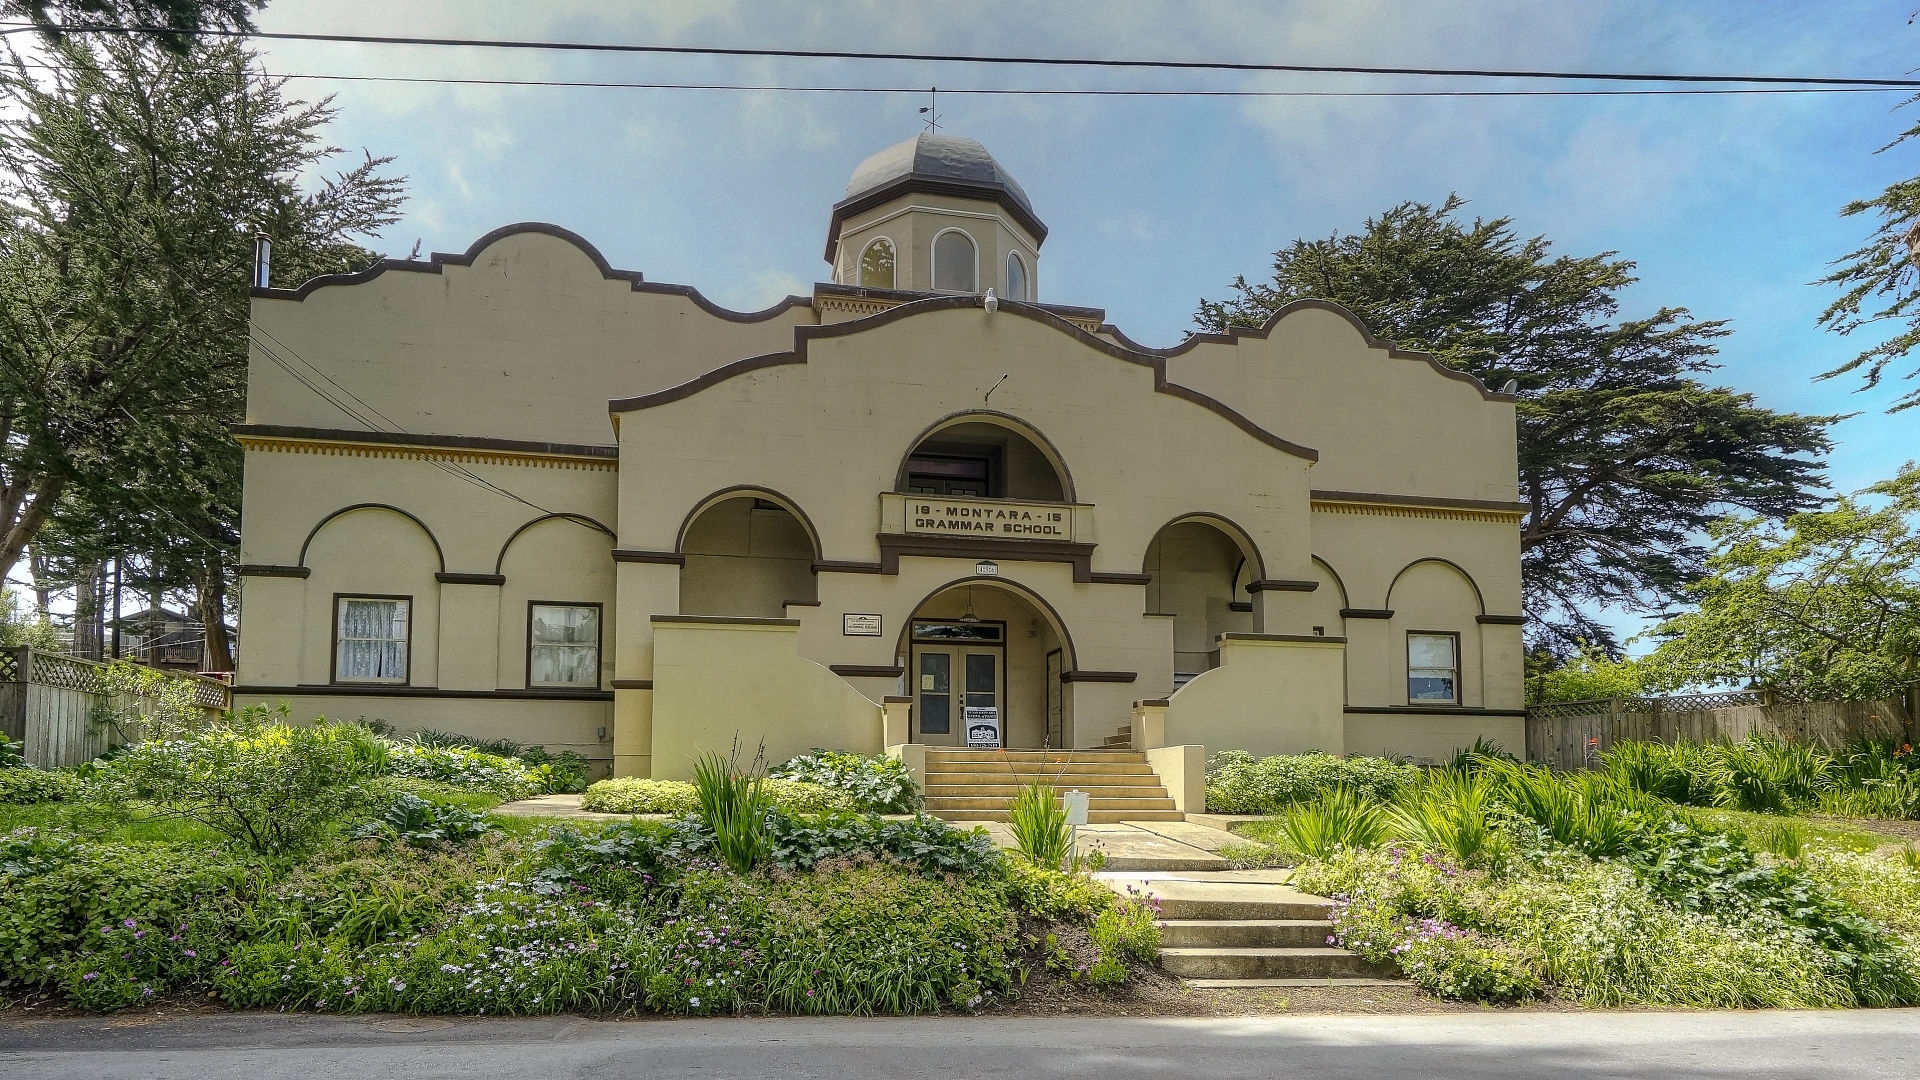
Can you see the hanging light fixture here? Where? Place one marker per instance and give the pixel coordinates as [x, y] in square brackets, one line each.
[969, 618]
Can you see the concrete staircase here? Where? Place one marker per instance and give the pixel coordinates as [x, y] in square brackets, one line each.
[1119, 740]
[1226, 931]
[979, 785]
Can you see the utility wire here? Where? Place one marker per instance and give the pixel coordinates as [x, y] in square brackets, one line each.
[962, 58]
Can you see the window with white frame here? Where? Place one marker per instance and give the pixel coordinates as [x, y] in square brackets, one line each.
[956, 267]
[563, 643]
[1433, 668]
[370, 638]
[1016, 278]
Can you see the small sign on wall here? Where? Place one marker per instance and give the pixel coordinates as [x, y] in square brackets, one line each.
[983, 726]
[859, 625]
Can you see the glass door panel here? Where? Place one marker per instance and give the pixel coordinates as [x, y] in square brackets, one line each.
[935, 693]
[983, 696]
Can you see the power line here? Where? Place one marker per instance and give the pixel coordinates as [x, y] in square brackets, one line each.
[962, 58]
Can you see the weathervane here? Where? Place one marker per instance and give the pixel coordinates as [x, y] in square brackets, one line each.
[931, 110]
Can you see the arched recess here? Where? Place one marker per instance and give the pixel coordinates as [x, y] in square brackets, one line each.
[379, 553]
[749, 552]
[1198, 566]
[980, 452]
[562, 565]
[1034, 646]
[956, 262]
[877, 266]
[1435, 599]
[578, 519]
[1329, 600]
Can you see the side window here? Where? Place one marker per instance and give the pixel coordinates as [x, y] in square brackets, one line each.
[563, 645]
[1433, 668]
[876, 265]
[1017, 279]
[955, 266]
[370, 639]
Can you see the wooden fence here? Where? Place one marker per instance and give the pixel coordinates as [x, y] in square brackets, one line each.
[48, 700]
[1573, 734]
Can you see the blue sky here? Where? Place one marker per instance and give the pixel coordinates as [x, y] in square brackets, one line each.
[1728, 204]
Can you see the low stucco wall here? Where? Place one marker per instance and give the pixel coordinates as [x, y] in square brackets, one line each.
[716, 679]
[1271, 694]
[584, 727]
[1431, 737]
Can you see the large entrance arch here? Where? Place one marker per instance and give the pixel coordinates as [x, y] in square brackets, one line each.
[987, 651]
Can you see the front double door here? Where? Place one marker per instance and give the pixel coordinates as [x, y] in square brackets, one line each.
[958, 688]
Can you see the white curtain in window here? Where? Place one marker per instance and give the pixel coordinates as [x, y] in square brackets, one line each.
[565, 645]
[373, 640]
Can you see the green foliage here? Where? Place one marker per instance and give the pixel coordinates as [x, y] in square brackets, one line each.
[1886, 890]
[1340, 819]
[877, 783]
[925, 843]
[1587, 675]
[1127, 931]
[1765, 774]
[637, 795]
[1587, 811]
[1878, 283]
[1768, 775]
[1039, 825]
[270, 786]
[20, 627]
[547, 771]
[1054, 894]
[25, 786]
[1447, 812]
[462, 767]
[1238, 783]
[145, 703]
[733, 804]
[1625, 452]
[413, 820]
[1679, 773]
[1826, 603]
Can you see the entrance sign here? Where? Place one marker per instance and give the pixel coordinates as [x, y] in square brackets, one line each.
[859, 625]
[983, 726]
[961, 517]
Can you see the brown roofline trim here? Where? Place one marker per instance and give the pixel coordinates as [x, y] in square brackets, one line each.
[1501, 620]
[905, 296]
[1281, 585]
[274, 570]
[434, 263]
[633, 684]
[1234, 333]
[913, 545]
[842, 566]
[867, 671]
[446, 442]
[1100, 578]
[1366, 613]
[669, 558]
[1099, 676]
[1377, 499]
[803, 335]
[445, 578]
[379, 690]
[1430, 710]
[1305, 639]
[921, 183]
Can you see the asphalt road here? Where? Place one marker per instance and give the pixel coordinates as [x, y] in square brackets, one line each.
[1830, 1046]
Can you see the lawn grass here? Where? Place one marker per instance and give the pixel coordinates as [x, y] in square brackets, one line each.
[1845, 837]
[442, 794]
[140, 825]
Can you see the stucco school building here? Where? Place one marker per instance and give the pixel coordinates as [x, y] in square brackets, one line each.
[519, 492]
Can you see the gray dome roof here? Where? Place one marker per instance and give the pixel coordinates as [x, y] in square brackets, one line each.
[933, 157]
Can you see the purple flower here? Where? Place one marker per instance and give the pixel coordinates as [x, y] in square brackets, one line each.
[129, 924]
[90, 976]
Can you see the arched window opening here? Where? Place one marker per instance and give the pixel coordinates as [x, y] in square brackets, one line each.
[747, 558]
[1196, 571]
[955, 266]
[980, 459]
[876, 265]
[1016, 279]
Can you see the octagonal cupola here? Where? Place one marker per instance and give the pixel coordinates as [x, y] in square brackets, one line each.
[936, 213]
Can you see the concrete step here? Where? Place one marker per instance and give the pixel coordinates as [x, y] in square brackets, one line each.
[1179, 901]
[1007, 792]
[991, 802]
[1094, 817]
[1277, 984]
[1244, 933]
[1323, 962]
[1038, 757]
[1120, 740]
[1083, 774]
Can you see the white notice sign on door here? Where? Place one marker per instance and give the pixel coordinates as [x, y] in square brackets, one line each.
[983, 726]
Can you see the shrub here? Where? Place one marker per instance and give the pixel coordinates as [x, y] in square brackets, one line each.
[1053, 894]
[878, 783]
[623, 864]
[12, 754]
[23, 785]
[415, 821]
[1340, 819]
[461, 767]
[1447, 812]
[269, 786]
[1886, 890]
[1128, 930]
[927, 844]
[1767, 775]
[1590, 811]
[637, 795]
[1039, 825]
[1678, 774]
[549, 772]
[1238, 783]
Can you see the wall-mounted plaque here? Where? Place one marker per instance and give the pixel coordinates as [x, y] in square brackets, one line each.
[858, 625]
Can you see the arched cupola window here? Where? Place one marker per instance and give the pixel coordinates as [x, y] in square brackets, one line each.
[876, 265]
[1017, 279]
[956, 267]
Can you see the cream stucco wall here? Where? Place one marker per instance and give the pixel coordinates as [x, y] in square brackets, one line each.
[1270, 695]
